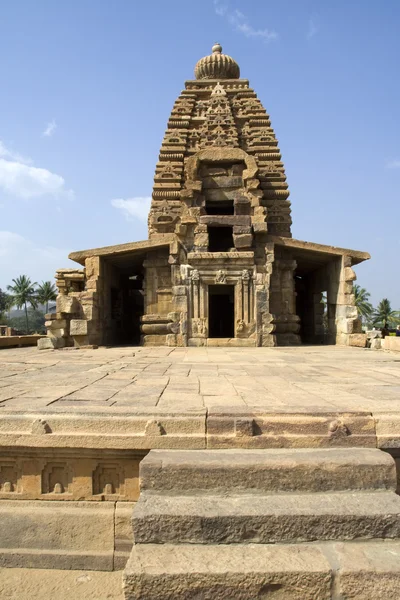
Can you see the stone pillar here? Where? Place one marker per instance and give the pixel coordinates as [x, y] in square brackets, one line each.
[70, 284]
[283, 303]
[348, 324]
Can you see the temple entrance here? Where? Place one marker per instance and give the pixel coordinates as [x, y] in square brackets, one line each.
[127, 306]
[123, 299]
[221, 311]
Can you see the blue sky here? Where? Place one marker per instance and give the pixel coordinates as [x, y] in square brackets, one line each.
[88, 85]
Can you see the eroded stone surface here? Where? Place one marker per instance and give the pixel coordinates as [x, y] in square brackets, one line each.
[164, 571]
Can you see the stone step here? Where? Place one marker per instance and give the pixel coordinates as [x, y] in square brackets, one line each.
[167, 572]
[272, 470]
[266, 519]
[327, 571]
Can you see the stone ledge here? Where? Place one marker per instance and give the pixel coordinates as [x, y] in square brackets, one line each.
[256, 429]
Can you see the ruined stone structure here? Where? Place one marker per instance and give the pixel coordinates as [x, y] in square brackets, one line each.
[220, 266]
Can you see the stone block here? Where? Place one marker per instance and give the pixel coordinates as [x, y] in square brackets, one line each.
[78, 327]
[154, 340]
[67, 304]
[346, 312]
[349, 274]
[376, 344]
[201, 239]
[225, 220]
[179, 290]
[260, 227]
[52, 535]
[392, 343]
[56, 324]
[59, 335]
[243, 240]
[240, 229]
[368, 570]
[239, 571]
[47, 343]
[358, 339]
[233, 181]
[92, 266]
[275, 471]
[348, 299]
[123, 533]
[270, 518]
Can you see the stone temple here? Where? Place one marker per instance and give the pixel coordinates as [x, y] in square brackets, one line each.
[220, 267]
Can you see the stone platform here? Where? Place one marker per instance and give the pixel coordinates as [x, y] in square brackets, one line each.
[76, 424]
[135, 399]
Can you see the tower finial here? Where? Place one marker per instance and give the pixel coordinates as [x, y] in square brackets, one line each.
[217, 66]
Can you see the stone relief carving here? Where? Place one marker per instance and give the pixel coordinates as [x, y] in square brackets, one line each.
[245, 275]
[199, 327]
[154, 428]
[240, 326]
[219, 129]
[195, 275]
[40, 427]
[108, 479]
[56, 478]
[8, 479]
[220, 276]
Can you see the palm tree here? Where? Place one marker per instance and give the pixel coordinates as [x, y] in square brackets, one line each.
[384, 316]
[45, 293]
[364, 307]
[23, 292]
[8, 304]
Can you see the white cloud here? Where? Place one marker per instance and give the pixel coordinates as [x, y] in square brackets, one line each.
[20, 256]
[50, 129]
[133, 208]
[19, 178]
[393, 164]
[11, 155]
[240, 22]
[312, 28]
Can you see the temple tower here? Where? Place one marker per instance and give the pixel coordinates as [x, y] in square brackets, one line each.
[215, 117]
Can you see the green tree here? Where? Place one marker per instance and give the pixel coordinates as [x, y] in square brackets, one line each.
[24, 293]
[364, 307]
[384, 316]
[3, 302]
[45, 293]
[36, 321]
[6, 304]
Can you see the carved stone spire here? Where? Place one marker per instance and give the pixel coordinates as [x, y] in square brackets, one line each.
[217, 66]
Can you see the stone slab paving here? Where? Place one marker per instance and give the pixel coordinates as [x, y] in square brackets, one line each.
[199, 383]
[304, 379]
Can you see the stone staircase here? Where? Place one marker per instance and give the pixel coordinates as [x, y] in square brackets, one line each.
[282, 524]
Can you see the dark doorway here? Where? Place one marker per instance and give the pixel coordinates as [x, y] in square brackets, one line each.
[220, 207]
[127, 306]
[220, 239]
[221, 311]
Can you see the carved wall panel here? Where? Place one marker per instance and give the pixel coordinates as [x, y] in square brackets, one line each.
[68, 476]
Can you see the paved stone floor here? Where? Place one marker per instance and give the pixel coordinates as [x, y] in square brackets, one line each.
[298, 379]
